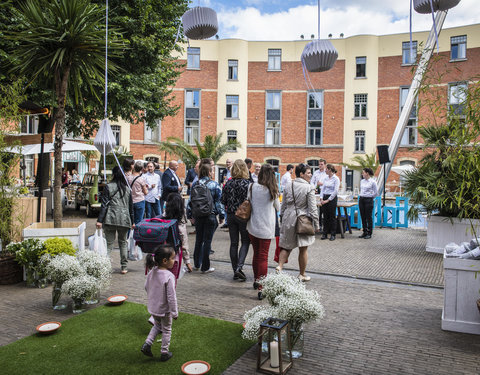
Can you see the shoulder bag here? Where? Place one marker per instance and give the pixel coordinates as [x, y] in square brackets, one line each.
[304, 224]
[245, 209]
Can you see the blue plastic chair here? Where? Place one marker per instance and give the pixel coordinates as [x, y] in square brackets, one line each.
[401, 204]
[376, 214]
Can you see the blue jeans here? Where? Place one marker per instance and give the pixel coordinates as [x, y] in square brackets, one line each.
[138, 211]
[205, 228]
[153, 209]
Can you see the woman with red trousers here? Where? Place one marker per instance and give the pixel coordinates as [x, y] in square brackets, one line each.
[261, 226]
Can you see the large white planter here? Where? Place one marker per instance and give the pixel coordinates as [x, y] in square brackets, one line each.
[441, 231]
[460, 312]
[73, 230]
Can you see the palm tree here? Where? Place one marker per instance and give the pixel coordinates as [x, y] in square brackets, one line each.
[62, 47]
[366, 161]
[212, 147]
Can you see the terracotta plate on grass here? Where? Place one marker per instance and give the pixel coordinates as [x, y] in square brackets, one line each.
[117, 299]
[48, 327]
[196, 367]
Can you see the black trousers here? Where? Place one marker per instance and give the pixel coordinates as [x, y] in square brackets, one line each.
[366, 208]
[330, 216]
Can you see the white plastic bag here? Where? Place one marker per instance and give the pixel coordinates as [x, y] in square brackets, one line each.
[98, 243]
[134, 252]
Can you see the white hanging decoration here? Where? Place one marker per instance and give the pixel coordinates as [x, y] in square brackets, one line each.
[319, 55]
[200, 23]
[426, 6]
[105, 142]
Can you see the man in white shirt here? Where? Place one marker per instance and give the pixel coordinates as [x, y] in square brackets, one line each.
[287, 177]
[152, 203]
[317, 180]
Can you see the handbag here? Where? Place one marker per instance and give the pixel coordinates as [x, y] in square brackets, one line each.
[244, 211]
[304, 224]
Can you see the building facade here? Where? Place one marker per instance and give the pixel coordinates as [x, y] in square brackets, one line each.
[256, 92]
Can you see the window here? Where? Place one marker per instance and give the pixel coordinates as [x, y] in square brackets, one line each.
[402, 176]
[273, 114]
[193, 58]
[361, 67]
[274, 59]
[407, 57]
[458, 47]
[314, 118]
[360, 105]
[29, 125]
[153, 135]
[232, 136]
[29, 166]
[313, 164]
[456, 98]
[192, 116]
[409, 137]
[275, 163]
[116, 133]
[233, 69]
[359, 140]
[232, 106]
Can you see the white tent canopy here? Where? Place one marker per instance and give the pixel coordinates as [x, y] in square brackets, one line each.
[402, 169]
[68, 146]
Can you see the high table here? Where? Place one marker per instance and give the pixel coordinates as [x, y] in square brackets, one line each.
[342, 220]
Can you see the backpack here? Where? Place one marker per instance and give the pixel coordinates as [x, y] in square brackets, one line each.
[150, 233]
[201, 200]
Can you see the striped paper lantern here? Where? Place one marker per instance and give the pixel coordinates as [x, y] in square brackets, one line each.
[319, 55]
[200, 23]
[423, 6]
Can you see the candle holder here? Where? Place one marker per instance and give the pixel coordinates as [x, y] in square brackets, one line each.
[274, 356]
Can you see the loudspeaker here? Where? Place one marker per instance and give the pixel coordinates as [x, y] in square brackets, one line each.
[383, 154]
[45, 124]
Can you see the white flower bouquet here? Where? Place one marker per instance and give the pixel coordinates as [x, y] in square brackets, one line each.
[289, 300]
[60, 268]
[97, 266]
[80, 287]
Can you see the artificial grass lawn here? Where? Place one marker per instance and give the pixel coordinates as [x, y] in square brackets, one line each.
[107, 340]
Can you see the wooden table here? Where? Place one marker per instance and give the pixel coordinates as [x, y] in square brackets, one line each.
[343, 218]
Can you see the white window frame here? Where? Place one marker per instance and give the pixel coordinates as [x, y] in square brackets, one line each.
[273, 128]
[460, 42]
[313, 164]
[193, 58]
[318, 104]
[153, 135]
[117, 133]
[232, 107]
[359, 61]
[274, 59]
[232, 135]
[457, 92]
[29, 123]
[192, 125]
[275, 164]
[406, 58]
[360, 101]
[233, 70]
[359, 144]
[411, 130]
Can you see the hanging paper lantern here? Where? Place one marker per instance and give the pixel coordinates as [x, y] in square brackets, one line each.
[423, 6]
[200, 23]
[319, 55]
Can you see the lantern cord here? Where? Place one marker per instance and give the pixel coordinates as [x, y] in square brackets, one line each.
[434, 26]
[106, 58]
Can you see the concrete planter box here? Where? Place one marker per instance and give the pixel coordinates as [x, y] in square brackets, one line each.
[73, 230]
[441, 231]
[460, 312]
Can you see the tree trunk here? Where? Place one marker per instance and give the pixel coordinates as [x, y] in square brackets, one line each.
[61, 83]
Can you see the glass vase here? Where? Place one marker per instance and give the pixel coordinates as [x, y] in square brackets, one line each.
[93, 298]
[57, 302]
[296, 341]
[78, 305]
[30, 276]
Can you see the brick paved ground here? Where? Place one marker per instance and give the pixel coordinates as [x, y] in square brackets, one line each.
[369, 328]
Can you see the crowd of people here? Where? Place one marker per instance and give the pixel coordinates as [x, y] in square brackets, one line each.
[137, 191]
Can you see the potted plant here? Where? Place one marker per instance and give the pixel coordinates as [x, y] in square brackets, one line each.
[27, 254]
[446, 184]
[289, 300]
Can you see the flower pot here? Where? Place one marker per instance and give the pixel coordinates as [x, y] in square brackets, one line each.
[73, 230]
[10, 271]
[441, 231]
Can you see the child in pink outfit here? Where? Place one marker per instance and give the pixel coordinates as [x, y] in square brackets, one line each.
[162, 300]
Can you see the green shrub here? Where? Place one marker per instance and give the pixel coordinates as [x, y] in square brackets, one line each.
[27, 252]
[56, 245]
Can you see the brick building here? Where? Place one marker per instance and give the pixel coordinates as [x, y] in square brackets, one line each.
[256, 92]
